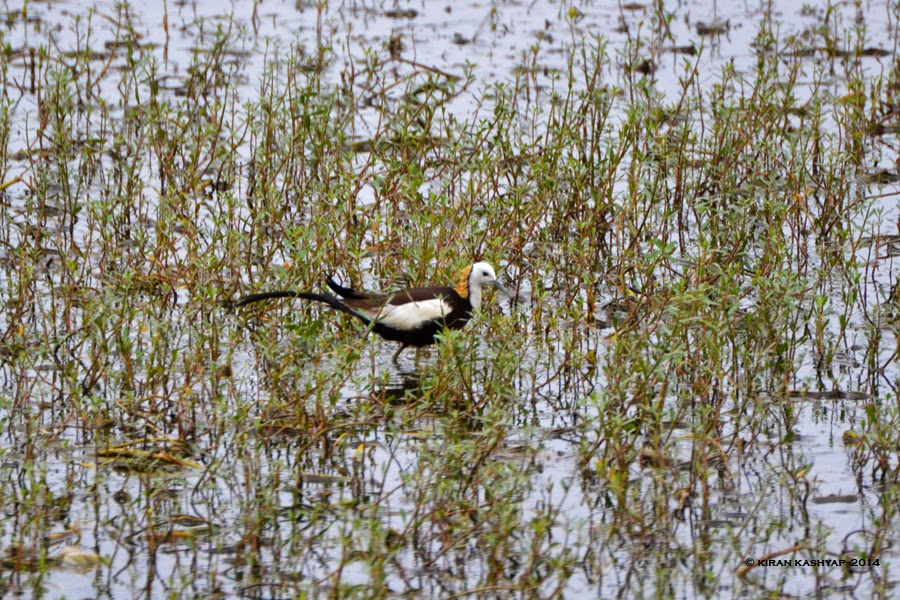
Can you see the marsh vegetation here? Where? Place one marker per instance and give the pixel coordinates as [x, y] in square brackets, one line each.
[697, 220]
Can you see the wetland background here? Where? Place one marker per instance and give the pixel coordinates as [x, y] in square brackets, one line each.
[695, 204]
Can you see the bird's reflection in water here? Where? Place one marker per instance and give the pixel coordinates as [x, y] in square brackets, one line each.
[401, 388]
[404, 388]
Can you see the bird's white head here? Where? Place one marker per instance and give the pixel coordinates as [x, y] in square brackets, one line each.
[481, 274]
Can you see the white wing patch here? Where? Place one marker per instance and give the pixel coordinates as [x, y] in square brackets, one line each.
[411, 315]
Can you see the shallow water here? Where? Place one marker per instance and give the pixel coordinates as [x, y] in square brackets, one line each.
[350, 492]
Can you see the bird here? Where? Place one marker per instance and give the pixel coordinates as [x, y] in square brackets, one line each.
[412, 317]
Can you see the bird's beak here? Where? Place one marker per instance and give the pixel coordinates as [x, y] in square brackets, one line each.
[499, 286]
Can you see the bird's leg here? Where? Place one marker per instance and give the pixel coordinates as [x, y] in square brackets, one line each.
[397, 353]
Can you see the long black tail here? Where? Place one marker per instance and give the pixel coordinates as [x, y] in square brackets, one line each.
[350, 293]
[337, 289]
[265, 296]
[332, 301]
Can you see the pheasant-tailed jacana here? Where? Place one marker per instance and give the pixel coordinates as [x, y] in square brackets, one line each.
[412, 316]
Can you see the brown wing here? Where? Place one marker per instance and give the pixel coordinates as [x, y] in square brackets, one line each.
[372, 303]
[422, 294]
[369, 306]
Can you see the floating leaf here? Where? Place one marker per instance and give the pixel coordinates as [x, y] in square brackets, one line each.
[73, 556]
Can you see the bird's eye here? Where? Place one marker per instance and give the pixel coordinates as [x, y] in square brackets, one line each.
[485, 273]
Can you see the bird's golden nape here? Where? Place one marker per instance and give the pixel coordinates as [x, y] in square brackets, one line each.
[412, 317]
[462, 282]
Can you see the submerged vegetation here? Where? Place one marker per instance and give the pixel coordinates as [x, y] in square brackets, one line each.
[696, 371]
